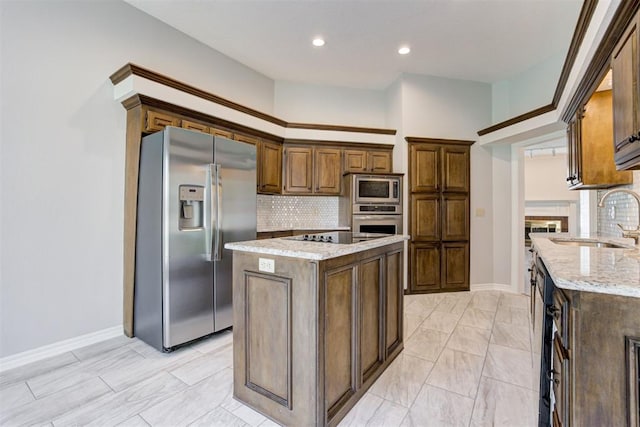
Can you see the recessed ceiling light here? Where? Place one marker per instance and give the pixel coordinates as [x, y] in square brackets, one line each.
[404, 50]
[318, 41]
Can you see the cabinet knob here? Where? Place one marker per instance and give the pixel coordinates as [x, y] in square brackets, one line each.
[633, 138]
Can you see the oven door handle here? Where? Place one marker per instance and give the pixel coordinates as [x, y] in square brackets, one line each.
[381, 217]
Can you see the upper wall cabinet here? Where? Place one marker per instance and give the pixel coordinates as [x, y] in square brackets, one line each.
[438, 167]
[268, 162]
[590, 161]
[625, 68]
[358, 161]
[312, 170]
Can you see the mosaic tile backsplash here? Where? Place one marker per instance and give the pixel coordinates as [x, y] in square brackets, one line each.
[619, 208]
[297, 212]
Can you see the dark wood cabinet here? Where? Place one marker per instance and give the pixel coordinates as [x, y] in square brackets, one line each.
[590, 160]
[438, 215]
[585, 358]
[188, 124]
[268, 163]
[455, 217]
[425, 217]
[270, 168]
[625, 68]
[424, 160]
[298, 167]
[327, 170]
[156, 121]
[312, 170]
[358, 161]
[455, 266]
[340, 293]
[333, 327]
[424, 267]
[371, 315]
[455, 169]
[393, 295]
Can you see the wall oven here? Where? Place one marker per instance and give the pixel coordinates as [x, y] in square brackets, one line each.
[372, 203]
[388, 224]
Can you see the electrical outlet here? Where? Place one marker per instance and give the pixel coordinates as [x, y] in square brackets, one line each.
[267, 265]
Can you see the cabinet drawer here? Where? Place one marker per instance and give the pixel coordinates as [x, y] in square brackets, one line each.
[157, 121]
[561, 318]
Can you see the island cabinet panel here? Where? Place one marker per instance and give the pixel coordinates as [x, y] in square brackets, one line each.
[268, 361]
[310, 338]
[393, 301]
[371, 312]
[339, 291]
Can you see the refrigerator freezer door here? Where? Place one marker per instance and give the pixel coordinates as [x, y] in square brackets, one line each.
[187, 273]
[236, 216]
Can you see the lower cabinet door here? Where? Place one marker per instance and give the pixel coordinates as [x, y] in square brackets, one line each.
[560, 384]
[393, 302]
[371, 309]
[339, 353]
[425, 267]
[455, 266]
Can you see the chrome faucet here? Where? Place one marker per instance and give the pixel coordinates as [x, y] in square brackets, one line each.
[632, 234]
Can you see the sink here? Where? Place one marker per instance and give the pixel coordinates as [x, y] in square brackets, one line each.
[589, 243]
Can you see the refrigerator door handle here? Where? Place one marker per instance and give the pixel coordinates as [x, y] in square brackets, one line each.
[217, 250]
[209, 219]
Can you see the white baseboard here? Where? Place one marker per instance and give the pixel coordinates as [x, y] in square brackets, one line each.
[59, 347]
[491, 287]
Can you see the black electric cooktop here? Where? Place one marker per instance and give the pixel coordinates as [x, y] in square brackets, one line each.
[340, 237]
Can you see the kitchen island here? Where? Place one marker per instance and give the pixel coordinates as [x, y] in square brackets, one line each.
[588, 316]
[315, 323]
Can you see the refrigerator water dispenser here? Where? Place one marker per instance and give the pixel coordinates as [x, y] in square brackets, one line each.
[191, 207]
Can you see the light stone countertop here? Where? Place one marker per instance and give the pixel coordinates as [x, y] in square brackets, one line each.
[614, 271]
[284, 246]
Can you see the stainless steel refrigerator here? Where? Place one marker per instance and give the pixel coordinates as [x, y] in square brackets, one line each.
[196, 192]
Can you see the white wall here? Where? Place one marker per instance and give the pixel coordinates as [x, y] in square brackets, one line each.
[531, 89]
[545, 178]
[436, 107]
[62, 160]
[502, 234]
[304, 103]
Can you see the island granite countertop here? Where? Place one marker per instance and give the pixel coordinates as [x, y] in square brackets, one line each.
[285, 246]
[614, 271]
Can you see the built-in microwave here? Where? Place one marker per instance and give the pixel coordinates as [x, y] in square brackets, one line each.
[378, 189]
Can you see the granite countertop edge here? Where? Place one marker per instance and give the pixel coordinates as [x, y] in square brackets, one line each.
[612, 271]
[310, 250]
[276, 229]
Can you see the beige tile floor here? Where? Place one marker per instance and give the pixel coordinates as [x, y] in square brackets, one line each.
[467, 362]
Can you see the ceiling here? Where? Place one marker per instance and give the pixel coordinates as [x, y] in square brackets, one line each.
[480, 40]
